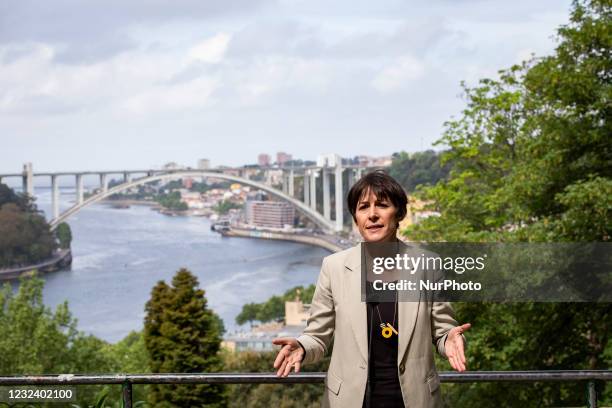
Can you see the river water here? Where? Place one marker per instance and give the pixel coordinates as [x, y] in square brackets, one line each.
[120, 254]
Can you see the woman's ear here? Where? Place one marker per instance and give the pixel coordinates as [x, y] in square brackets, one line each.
[398, 219]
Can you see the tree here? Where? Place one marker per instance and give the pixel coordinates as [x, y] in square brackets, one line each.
[411, 170]
[274, 307]
[224, 206]
[25, 237]
[64, 235]
[568, 154]
[531, 161]
[22, 200]
[34, 340]
[270, 395]
[482, 153]
[129, 355]
[37, 341]
[532, 147]
[183, 336]
[248, 314]
[172, 201]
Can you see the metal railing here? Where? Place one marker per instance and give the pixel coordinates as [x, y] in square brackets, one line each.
[589, 377]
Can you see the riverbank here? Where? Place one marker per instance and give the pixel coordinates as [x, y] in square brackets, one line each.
[60, 260]
[126, 203]
[324, 242]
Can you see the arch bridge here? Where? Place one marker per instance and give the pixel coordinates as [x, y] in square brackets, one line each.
[307, 205]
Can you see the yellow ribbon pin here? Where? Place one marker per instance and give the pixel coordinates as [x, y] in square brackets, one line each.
[388, 330]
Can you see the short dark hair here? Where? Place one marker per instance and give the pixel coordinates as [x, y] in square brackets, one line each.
[384, 187]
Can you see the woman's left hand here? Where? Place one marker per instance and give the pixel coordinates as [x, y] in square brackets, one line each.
[455, 348]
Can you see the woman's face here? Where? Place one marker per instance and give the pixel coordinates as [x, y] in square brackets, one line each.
[376, 218]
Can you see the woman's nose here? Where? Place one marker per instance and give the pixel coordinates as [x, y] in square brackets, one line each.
[372, 214]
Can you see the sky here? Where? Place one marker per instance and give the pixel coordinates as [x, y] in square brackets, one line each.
[123, 84]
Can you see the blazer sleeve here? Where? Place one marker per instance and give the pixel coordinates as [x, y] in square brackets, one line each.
[319, 332]
[442, 319]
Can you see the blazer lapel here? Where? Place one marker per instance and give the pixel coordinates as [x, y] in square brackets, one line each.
[356, 308]
[407, 316]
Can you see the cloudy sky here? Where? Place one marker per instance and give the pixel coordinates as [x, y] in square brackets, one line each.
[114, 84]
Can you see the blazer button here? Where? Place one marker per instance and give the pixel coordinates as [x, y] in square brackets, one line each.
[402, 368]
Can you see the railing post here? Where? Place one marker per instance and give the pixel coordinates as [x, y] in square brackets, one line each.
[126, 388]
[592, 394]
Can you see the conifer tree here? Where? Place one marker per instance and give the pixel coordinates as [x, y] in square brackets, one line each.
[182, 335]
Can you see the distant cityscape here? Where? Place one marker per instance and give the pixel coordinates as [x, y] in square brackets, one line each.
[285, 160]
[233, 204]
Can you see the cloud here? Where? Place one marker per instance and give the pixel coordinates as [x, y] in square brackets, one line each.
[290, 37]
[35, 84]
[243, 70]
[163, 99]
[399, 74]
[210, 50]
[98, 29]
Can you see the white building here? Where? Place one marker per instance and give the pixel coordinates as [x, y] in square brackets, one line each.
[203, 164]
[329, 160]
[192, 199]
[274, 177]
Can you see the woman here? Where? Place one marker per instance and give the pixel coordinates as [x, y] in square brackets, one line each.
[368, 367]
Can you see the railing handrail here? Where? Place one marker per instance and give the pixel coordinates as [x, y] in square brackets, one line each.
[128, 380]
[304, 377]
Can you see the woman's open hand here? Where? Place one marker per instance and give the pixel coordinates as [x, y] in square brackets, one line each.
[455, 348]
[290, 355]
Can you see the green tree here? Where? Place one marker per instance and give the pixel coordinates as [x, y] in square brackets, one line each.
[482, 151]
[64, 235]
[182, 335]
[172, 201]
[411, 170]
[531, 152]
[173, 185]
[25, 237]
[224, 206]
[129, 355]
[274, 307]
[203, 186]
[567, 164]
[36, 341]
[270, 395]
[531, 161]
[23, 201]
[248, 313]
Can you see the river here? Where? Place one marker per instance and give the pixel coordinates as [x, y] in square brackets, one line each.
[120, 254]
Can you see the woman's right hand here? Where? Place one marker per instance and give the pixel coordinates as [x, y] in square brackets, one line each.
[290, 355]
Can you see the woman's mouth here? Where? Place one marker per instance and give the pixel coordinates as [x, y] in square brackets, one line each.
[374, 228]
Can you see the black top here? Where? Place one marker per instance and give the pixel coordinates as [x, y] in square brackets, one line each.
[384, 387]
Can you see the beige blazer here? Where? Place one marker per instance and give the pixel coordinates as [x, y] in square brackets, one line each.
[338, 315]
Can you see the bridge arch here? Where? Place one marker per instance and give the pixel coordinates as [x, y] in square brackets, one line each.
[314, 216]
